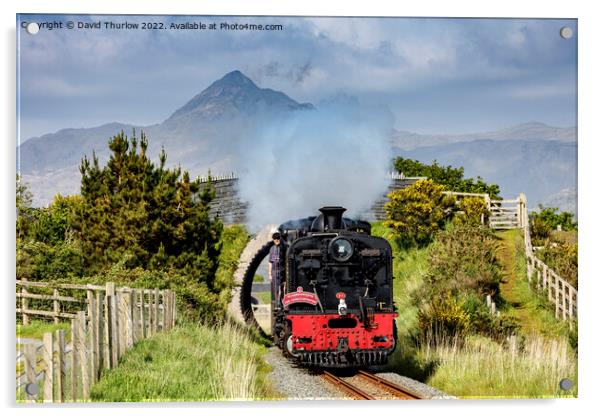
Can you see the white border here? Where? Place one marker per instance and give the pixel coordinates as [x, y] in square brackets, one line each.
[589, 154]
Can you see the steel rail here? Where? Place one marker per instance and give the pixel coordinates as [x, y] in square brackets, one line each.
[390, 386]
[349, 388]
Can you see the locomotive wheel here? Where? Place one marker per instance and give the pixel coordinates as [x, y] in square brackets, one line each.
[247, 286]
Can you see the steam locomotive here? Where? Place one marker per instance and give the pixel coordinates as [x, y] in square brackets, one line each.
[335, 307]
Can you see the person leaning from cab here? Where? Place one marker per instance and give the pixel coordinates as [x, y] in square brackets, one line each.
[274, 266]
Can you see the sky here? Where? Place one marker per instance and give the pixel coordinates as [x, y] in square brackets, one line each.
[435, 75]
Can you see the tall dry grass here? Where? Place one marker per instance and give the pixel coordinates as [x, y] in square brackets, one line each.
[482, 368]
[235, 365]
[192, 362]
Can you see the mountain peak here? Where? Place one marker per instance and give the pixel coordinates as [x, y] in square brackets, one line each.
[235, 78]
[234, 94]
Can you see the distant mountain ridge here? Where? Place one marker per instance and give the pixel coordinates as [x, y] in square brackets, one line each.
[204, 132]
[533, 130]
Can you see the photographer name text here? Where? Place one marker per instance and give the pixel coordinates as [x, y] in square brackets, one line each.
[126, 25]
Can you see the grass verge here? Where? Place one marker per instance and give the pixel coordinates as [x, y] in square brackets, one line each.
[409, 269]
[192, 362]
[482, 368]
[37, 328]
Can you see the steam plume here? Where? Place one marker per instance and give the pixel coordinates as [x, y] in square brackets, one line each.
[335, 155]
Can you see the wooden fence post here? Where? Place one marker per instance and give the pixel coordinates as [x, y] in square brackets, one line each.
[570, 308]
[92, 340]
[142, 315]
[170, 311]
[129, 318]
[89, 302]
[549, 282]
[99, 331]
[24, 303]
[165, 300]
[107, 327]
[48, 367]
[136, 330]
[174, 309]
[74, 358]
[60, 352]
[169, 300]
[121, 322]
[544, 271]
[118, 327]
[151, 313]
[559, 297]
[29, 355]
[83, 355]
[56, 306]
[156, 312]
[113, 334]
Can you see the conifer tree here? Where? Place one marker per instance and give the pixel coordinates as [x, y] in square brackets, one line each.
[146, 215]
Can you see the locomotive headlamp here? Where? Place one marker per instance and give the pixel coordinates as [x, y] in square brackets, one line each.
[341, 249]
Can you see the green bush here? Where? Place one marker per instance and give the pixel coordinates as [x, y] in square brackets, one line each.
[463, 260]
[54, 224]
[562, 258]
[194, 299]
[472, 211]
[483, 322]
[37, 260]
[545, 221]
[417, 212]
[443, 317]
[463, 270]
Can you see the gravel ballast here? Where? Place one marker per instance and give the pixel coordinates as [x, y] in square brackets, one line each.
[297, 383]
[423, 390]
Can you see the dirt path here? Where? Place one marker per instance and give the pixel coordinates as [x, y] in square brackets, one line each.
[512, 288]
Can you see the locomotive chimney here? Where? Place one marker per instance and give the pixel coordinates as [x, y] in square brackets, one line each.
[333, 217]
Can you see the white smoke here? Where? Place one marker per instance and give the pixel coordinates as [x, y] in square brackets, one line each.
[335, 155]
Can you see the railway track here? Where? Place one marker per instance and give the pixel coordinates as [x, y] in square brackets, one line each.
[367, 386]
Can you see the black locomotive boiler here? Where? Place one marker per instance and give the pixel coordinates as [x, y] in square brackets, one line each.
[336, 300]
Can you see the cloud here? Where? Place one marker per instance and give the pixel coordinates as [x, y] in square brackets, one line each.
[296, 74]
[309, 59]
[541, 91]
[47, 85]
